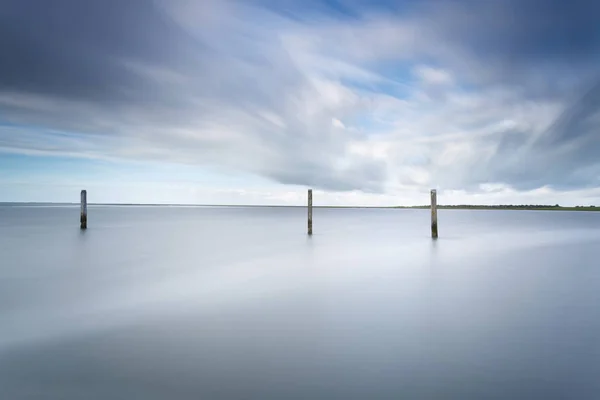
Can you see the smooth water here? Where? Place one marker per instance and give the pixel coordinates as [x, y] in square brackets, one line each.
[238, 303]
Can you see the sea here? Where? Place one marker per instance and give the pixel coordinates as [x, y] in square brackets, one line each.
[159, 302]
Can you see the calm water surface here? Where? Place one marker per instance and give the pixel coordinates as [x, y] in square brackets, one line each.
[238, 303]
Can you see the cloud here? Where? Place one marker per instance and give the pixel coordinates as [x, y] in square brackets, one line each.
[565, 154]
[433, 76]
[377, 99]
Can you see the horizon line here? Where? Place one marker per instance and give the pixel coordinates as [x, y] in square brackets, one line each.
[293, 205]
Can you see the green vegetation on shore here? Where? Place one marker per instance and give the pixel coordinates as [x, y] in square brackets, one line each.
[555, 207]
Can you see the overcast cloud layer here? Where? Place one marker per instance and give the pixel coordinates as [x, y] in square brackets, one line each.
[380, 98]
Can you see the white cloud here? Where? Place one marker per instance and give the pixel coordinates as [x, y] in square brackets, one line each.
[337, 123]
[433, 76]
[266, 94]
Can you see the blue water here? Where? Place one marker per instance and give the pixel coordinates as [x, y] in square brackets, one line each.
[238, 303]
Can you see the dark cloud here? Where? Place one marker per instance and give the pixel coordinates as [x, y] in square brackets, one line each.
[542, 51]
[112, 53]
[528, 30]
[543, 47]
[576, 124]
[77, 49]
[565, 156]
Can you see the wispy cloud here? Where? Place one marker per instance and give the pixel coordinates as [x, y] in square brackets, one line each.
[381, 99]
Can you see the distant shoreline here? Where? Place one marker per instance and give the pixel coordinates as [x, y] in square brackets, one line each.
[422, 207]
[507, 207]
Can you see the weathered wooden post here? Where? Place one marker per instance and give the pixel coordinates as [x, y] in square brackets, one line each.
[310, 211]
[83, 218]
[434, 224]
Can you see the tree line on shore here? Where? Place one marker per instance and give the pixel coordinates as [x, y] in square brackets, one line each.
[501, 206]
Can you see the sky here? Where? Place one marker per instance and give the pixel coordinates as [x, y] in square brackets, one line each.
[253, 102]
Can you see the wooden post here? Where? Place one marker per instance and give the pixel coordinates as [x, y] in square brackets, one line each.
[434, 223]
[310, 211]
[83, 218]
